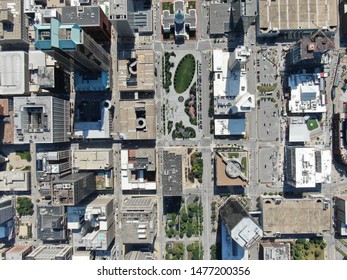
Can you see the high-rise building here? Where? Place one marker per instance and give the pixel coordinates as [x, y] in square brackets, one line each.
[6, 121]
[242, 228]
[310, 52]
[68, 42]
[51, 222]
[230, 84]
[92, 19]
[138, 216]
[138, 169]
[52, 164]
[98, 229]
[71, 189]
[130, 17]
[41, 119]
[308, 166]
[341, 214]
[13, 25]
[7, 214]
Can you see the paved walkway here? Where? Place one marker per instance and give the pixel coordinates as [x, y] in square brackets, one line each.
[175, 109]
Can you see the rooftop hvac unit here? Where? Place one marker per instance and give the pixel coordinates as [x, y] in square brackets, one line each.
[278, 201]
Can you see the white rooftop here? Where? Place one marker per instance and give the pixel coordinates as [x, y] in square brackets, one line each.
[129, 183]
[228, 127]
[230, 81]
[312, 167]
[305, 164]
[14, 180]
[305, 96]
[298, 131]
[14, 73]
[326, 162]
[246, 233]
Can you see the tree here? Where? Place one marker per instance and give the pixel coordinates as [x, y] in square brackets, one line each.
[191, 177]
[213, 252]
[184, 217]
[24, 206]
[317, 254]
[190, 247]
[189, 230]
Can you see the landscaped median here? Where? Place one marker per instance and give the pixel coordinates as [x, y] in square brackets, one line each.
[184, 73]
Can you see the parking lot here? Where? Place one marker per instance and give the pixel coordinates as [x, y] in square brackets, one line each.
[267, 165]
[266, 62]
[268, 121]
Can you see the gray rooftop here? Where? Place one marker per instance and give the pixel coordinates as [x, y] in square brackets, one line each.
[232, 212]
[138, 215]
[51, 223]
[45, 252]
[36, 119]
[72, 178]
[118, 8]
[172, 174]
[142, 21]
[220, 18]
[7, 210]
[275, 251]
[82, 15]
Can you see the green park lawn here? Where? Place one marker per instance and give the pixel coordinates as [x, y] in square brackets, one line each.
[184, 73]
[312, 124]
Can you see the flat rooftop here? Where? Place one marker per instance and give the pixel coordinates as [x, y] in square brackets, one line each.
[295, 216]
[82, 15]
[275, 250]
[230, 86]
[266, 164]
[50, 252]
[296, 15]
[14, 73]
[14, 180]
[19, 249]
[172, 174]
[93, 159]
[11, 11]
[220, 18]
[138, 169]
[36, 119]
[305, 95]
[232, 127]
[137, 119]
[138, 220]
[140, 79]
[298, 131]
